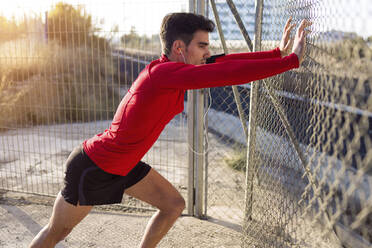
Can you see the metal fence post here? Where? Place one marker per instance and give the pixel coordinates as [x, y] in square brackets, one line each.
[252, 120]
[199, 137]
[190, 139]
[196, 138]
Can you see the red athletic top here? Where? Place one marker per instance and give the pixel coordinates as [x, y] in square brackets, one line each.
[157, 95]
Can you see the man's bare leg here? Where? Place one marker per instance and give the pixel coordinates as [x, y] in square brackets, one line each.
[157, 191]
[64, 218]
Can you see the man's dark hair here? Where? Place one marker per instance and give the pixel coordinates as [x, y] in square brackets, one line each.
[182, 26]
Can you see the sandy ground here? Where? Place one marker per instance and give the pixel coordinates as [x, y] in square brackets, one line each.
[22, 216]
[33, 161]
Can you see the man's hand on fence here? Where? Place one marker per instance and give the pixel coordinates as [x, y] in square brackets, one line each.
[299, 44]
[286, 42]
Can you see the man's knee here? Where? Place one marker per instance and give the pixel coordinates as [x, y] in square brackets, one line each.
[59, 234]
[180, 204]
[176, 206]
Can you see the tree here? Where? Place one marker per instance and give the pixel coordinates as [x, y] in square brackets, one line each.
[71, 26]
[369, 39]
[134, 40]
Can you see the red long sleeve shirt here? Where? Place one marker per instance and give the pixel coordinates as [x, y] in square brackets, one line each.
[157, 95]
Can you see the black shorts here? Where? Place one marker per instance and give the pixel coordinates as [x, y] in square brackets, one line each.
[87, 184]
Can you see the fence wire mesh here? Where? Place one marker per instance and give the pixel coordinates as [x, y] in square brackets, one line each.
[309, 179]
[312, 164]
[63, 73]
[226, 135]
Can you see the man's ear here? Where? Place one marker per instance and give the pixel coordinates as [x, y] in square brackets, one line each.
[178, 47]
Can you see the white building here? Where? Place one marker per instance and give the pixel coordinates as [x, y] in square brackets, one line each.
[272, 24]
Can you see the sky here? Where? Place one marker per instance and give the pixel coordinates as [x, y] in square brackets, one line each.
[346, 15]
[146, 15]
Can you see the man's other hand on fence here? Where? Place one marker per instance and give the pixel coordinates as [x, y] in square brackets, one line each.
[299, 44]
[286, 42]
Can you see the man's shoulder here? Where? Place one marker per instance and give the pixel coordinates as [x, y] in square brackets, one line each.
[158, 68]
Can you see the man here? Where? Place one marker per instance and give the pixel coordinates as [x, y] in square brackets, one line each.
[105, 165]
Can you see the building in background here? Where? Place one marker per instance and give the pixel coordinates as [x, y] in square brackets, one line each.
[271, 25]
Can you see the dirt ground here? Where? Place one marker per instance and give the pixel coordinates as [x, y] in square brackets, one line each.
[23, 215]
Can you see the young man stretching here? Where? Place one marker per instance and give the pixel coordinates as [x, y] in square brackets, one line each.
[98, 171]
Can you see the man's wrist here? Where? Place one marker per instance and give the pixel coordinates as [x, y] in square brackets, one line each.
[298, 58]
[284, 53]
[279, 51]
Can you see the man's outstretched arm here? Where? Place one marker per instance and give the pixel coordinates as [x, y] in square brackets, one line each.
[232, 72]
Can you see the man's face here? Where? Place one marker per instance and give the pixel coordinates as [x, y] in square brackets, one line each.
[198, 50]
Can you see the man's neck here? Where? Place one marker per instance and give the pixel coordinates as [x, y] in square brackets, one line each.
[175, 58]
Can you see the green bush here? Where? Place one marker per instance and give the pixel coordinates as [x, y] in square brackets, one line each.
[60, 85]
[238, 161]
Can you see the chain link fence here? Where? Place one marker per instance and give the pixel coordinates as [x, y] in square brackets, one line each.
[309, 173]
[63, 73]
[226, 149]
